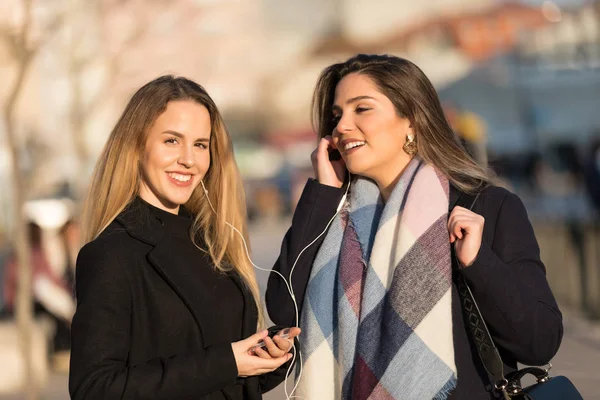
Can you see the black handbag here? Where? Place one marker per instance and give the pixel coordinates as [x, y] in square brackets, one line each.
[509, 385]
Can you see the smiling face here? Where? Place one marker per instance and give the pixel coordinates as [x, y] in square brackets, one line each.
[176, 156]
[369, 133]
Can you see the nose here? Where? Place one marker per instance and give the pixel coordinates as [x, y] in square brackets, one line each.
[186, 157]
[345, 124]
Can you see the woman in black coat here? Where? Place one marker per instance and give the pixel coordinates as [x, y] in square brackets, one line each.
[167, 300]
[380, 311]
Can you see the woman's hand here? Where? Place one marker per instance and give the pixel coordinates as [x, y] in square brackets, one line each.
[249, 364]
[327, 172]
[278, 346]
[466, 231]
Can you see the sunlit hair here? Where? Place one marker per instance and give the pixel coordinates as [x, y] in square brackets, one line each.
[116, 180]
[414, 98]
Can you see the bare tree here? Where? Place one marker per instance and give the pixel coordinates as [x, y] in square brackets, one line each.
[22, 51]
[82, 57]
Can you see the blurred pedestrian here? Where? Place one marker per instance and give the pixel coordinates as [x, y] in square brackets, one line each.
[591, 173]
[167, 301]
[51, 293]
[378, 298]
[70, 240]
[70, 234]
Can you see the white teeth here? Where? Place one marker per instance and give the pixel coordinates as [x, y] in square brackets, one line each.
[179, 177]
[353, 145]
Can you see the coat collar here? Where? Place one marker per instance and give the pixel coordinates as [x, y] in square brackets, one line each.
[453, 198]
[139, 221]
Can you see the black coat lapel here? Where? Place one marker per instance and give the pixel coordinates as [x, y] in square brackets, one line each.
[173, 266]
[178, 274]
[175, 269]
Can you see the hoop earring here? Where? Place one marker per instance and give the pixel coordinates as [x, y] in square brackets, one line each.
[410, 147]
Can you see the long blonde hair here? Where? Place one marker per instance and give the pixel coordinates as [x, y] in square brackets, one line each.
[116, 180]
[414, 98]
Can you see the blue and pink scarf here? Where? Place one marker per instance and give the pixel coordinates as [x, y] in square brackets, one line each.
[377, 321]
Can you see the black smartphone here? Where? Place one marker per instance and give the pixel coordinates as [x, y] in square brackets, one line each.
[274, 330]
[334, 155]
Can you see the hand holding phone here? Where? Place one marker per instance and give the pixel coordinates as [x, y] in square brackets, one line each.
[280, 342]
[250, 364]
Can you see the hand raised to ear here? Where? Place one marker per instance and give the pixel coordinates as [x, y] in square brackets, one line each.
[327, 172]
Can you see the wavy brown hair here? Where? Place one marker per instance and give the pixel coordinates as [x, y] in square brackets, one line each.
[414, 98]
[116, 180]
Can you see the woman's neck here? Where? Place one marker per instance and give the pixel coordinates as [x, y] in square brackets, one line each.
[387, 180]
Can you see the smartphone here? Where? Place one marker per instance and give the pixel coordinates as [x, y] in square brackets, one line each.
[284, 333]
[334, 155]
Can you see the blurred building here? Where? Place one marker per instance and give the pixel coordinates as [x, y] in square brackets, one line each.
[260, 59]
[446, 39]
[543, 89]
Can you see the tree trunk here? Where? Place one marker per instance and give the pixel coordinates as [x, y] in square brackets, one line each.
[77, 119]
[24, 300]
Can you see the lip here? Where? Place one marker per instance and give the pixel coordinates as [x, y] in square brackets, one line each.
[342, 144]
[180, 173]
[179, 183]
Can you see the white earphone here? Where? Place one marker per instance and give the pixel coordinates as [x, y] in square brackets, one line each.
[288, 283]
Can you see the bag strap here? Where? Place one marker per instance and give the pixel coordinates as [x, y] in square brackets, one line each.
[488, 353]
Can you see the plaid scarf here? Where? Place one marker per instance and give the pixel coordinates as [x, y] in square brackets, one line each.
[377, 320]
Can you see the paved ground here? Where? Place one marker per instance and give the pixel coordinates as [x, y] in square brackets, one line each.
[578, 358]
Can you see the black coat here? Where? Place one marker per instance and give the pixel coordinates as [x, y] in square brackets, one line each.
[507, 279]
[143, 329]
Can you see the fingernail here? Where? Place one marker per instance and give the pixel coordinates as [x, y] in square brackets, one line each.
[285, 331]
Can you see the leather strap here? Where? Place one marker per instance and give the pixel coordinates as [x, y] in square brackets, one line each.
[479, 332]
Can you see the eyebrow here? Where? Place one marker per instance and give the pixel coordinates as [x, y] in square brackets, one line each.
[354, 100]
[179, 135]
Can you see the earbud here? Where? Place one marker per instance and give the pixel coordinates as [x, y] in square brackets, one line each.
[209, 202]
[204, 187]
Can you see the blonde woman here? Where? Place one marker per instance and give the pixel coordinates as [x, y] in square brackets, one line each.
[167, 300]
[378, 293]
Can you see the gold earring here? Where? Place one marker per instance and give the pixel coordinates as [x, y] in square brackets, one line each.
[410, 147]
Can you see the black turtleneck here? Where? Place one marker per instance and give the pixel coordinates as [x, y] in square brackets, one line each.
[228, 301]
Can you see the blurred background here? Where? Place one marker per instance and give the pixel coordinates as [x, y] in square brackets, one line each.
[519, 81]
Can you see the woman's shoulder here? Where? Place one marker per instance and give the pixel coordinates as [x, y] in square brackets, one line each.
[111, 254]
[494, 198]
[494, 192]
[112, 242]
